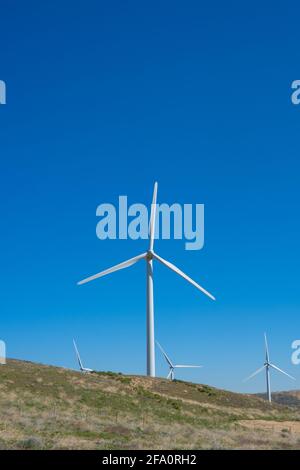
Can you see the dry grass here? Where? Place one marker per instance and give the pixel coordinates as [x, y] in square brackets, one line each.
[44, 407]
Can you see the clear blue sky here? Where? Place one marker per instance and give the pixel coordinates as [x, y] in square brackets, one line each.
[103, 98]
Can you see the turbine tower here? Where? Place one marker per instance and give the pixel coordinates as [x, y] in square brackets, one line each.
[171, 374]
[267, 366]
[149, 256]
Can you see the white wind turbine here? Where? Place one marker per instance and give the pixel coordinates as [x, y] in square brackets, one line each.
[149, 256]
[83, 369]
[171, 374]
[267, 366]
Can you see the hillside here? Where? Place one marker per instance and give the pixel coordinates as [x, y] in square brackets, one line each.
[290, 398]
[55, 408]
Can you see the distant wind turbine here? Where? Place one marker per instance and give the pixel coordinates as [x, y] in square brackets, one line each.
[171, 374]
[83, 369]
[149, 256]
[267, 366]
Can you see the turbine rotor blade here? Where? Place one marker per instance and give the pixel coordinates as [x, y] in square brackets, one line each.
[282, 371]
[117, 267]
[169, 374]
[78, 355]
[267, 349]
[152, 218]
[254, 373]
[165, 355]
[182, 274]
[179, 365]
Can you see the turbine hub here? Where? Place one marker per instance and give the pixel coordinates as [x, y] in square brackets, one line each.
[149, 255]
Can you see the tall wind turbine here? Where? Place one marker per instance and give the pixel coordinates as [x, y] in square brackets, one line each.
[83, 369]
[171, 374]
[149, 256]
[267, 366]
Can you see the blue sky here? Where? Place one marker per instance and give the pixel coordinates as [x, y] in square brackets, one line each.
[102, 100]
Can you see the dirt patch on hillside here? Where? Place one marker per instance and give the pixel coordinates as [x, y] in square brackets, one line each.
[277, 426]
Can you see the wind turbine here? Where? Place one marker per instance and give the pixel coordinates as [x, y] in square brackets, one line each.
[171, 374]
[267, 366]
[149, 256]
[83, 369]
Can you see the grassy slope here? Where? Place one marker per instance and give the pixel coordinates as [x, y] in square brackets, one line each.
[50, 407]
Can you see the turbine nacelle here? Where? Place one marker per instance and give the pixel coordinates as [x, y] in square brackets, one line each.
[86, 370]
